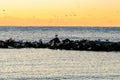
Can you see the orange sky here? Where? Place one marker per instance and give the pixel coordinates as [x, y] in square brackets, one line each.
[59, 12]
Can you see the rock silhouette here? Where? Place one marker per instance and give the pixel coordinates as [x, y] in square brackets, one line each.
[67, 44]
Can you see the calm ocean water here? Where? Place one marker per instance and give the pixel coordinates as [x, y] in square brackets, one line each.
[45, 64]
[47, 33]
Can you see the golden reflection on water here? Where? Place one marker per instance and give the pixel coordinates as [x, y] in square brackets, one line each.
[40, 63]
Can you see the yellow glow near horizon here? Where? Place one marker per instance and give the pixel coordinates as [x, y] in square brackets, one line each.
[60, 12]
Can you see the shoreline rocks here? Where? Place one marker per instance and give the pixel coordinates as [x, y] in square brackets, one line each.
[67, 44]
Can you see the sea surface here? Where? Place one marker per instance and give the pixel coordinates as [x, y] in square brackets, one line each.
[46, 64]
[47, 33]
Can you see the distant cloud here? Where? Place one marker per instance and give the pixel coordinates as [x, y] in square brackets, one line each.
[3, 10]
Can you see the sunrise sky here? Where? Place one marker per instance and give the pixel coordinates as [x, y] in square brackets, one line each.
[59, 12]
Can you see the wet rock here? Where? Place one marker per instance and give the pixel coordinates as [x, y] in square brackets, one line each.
[67, 44]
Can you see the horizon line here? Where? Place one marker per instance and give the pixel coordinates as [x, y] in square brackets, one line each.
[55, 26]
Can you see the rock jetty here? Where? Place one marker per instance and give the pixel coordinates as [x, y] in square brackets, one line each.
[67, 44]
